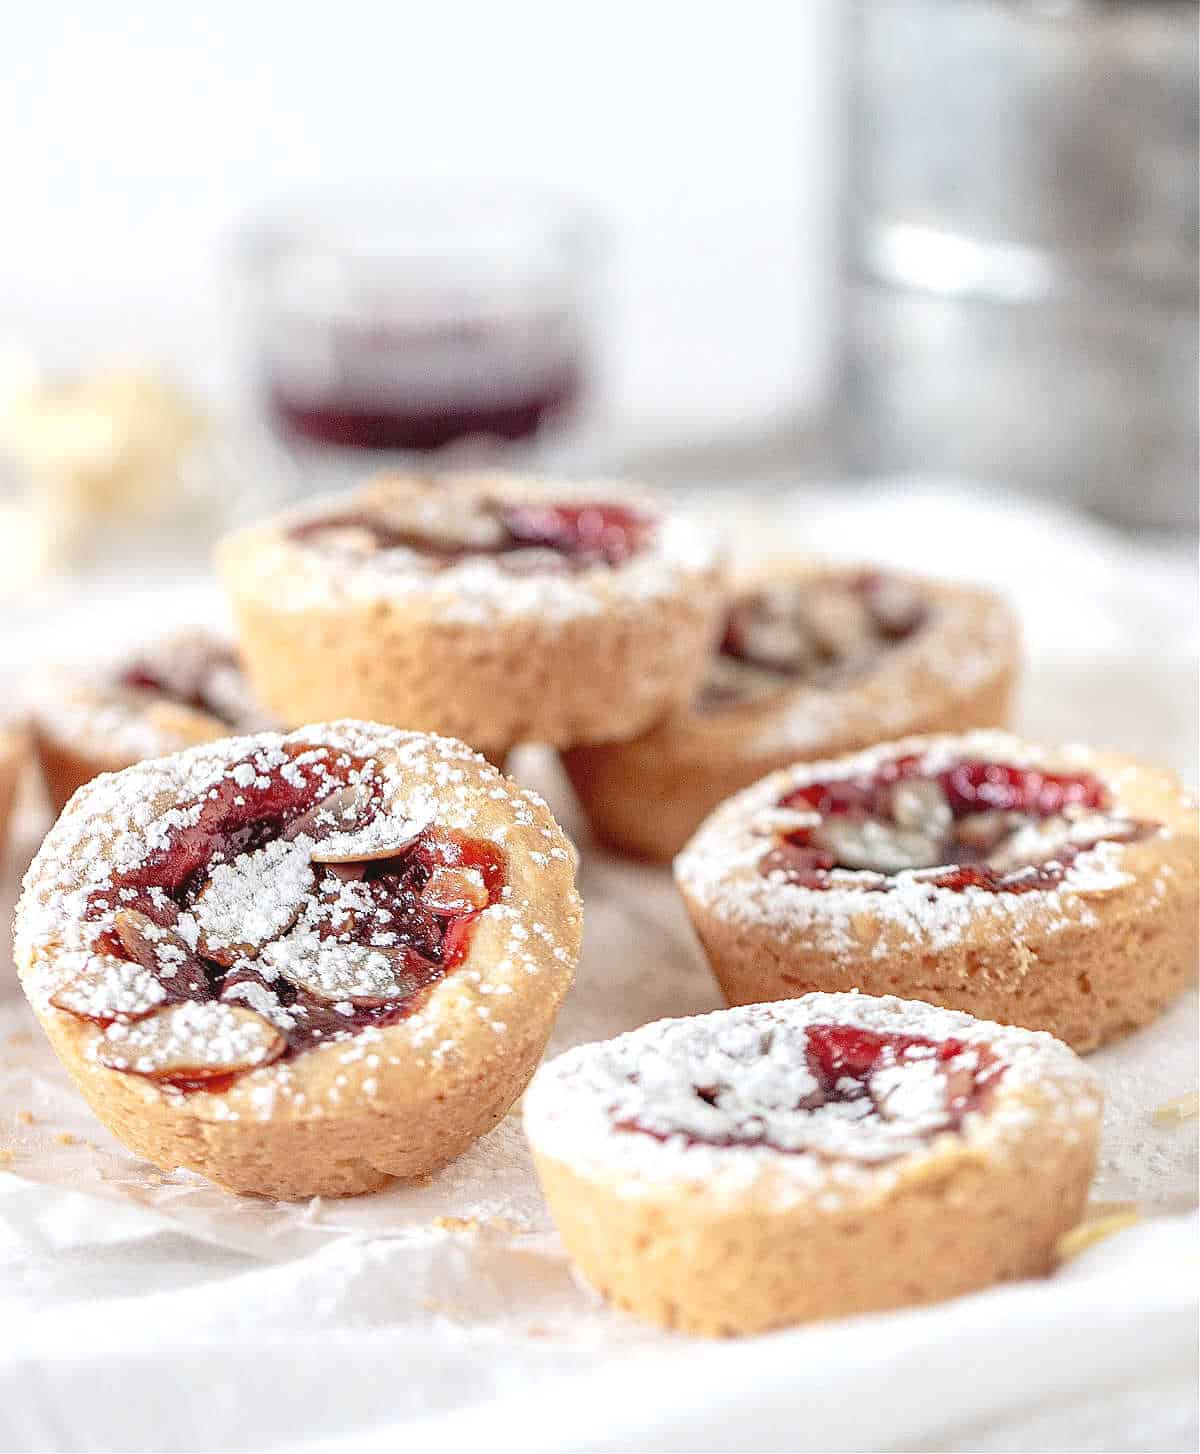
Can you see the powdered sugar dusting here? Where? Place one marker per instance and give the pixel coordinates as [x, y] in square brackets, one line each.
[88, 706]
[254, 898]
[719, 868]
[258, 912]
[200, 1038]
[752, 1062]
[478, 588]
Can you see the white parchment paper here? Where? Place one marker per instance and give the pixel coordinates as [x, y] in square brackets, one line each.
[139, 1310]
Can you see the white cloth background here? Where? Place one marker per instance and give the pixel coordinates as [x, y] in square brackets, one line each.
[139, 1312]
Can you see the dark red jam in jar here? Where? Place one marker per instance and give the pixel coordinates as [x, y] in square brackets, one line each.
[381, 417]
[521, 538]
[972, 824]
[422, 317]
[264, 893]
[825, 631]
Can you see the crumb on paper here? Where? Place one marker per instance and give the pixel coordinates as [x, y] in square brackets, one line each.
[25, 1117]
[66, 1138]
[456, 1224]
[1182, 1108]
[1088, 1233]
[7, 1156]
[506, 1226]
[1097, 1210]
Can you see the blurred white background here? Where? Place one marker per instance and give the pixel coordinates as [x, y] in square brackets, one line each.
[137, 134]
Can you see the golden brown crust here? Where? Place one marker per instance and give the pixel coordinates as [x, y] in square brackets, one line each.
[725, 1238]
[720, 1270]
[603, 654]
[1088, 962]
[87, 720]
[71, 756]
[348, 1117]
[647, 796]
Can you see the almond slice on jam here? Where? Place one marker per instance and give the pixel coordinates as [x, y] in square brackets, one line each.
[371, 845]
[339, 812]
[143, 939]
[363, 975]
[191, 1044]
[455, 891]
[162, 951]
[109, 989]
[251, 900]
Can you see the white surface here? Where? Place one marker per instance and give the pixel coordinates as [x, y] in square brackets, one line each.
[139, 1315]
[703, 135]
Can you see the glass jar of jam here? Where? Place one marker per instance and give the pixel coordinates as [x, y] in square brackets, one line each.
[421, 322]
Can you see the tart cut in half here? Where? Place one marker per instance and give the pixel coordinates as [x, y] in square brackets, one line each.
[177, 692]
[1054, 889]
[831, 1155]
[813, 662]
[301, 965]
[482, 606]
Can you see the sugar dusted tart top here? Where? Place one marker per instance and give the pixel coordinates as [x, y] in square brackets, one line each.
[238, 920]
[829, 1096]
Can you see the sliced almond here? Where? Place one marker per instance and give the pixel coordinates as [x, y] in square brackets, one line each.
[985, 832]
[776, 639]
[455, 891]
[348, 872]
[338, 811]
[868, 843]
[386, 837]
[143, 939]
[922, 805]
[333, 971]
[109, 989]
[838, 621]
[344, 848]
[192, 1043]
[730, 681]
[252, 899]
[914, 1092]
[897, 609]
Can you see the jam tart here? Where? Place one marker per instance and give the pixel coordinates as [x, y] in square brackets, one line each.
[813, 661]
[301, 965]
[481, 606]
[1054, 889]
[835, 1154]
[179, 691]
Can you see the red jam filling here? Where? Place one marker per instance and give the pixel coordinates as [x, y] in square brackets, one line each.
[975, 806]
[527, 537]
[191, 676]
[824, 632]
[843, 1059]
[428, 928]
